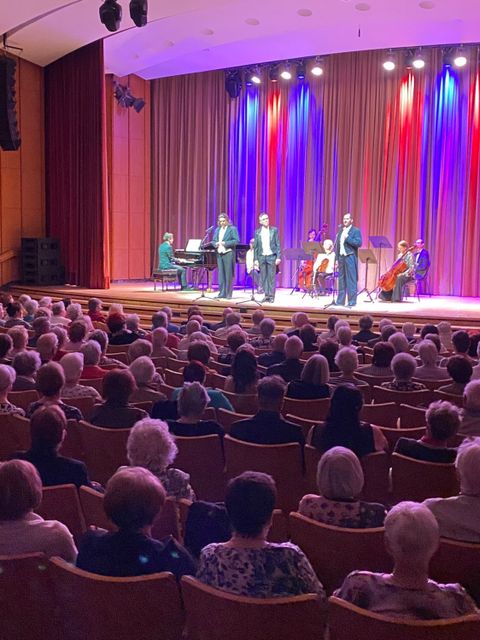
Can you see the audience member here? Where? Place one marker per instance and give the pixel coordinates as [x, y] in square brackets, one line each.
[134, 498]
[116, 412]
[226, 311]
[147, 381]
[476, 368]
[21, 529]
[160, 320]
[445, 334]
[257, 316]
[140, 347]
[267, 569]
[74, 314]
[443, 420]
[340, 481]
[6, 345]
[192, 402]
[329, 349]
[46, 302]
[101, 338]
[264, 338]
[313, 382]
[59, 314]
[459, 516]
[196, 372]
[343, 427]
[399, 342]
[7, 380]
[386, 330]
[235, 340]
[308, 337]
[61, 335]
[409, 330]
[470, 424]
[382, 357]
[411, 538]
[299, 319]
[47, 347]
[47, 432]
[40, 326]
[95, 310]
[26, 365]
[19, 336]
[77, 334]
[329, 334]
[403, 367]
[14, 316]
[461, 345]
[244, 375]
[31, 308]
[200, 352]
[49, 384]
[233, 319]
[72, 365]
[365, 334]
[344, 336]
[132, 321]
[429, 370]
[159, 344]
[171, 327]
[267, 426]
[119, 334]
[460, 370]
[347, 363]
[291, 368]
[277, 354]
[92, 352]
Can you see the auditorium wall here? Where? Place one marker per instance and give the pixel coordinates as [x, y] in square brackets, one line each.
[128, 145]
[22, 174]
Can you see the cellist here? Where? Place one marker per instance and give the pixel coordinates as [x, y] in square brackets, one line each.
[406, 274]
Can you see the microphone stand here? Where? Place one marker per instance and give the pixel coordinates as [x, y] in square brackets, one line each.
[204, 272]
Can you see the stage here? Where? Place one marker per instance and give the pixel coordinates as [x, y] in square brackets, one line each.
[139, 297]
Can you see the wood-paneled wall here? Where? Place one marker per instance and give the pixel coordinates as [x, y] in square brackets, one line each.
[128, 144]
[22, 173]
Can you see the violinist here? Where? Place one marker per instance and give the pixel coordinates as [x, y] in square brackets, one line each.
[402, 271]
[324, 266]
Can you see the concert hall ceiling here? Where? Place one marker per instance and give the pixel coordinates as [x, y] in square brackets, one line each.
[185, 36]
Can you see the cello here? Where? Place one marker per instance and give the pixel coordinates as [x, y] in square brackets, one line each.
[388, 280]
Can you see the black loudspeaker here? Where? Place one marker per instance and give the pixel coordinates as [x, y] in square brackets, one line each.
[9, 136]
[41, 261]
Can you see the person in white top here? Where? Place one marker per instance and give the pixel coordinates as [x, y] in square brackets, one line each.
[59, 315]
[324, 266]
[21, 529]
[267, 253]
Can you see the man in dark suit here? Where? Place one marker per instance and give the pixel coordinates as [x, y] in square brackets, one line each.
[225, 239]
[291, 368]
[267, 255]
[347, 242]
[422, 261]
[267, 426]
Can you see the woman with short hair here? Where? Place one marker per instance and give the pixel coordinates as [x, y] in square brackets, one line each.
[147, 380]
[26, 365]
[191, 404]
[411, 538]
[134, 498]
[21, 529]
[116, 412]
[72, 365]
[49, 384]
[7, 379]
[313, 383]
[403, 368]
[249, 565]
[340, 481]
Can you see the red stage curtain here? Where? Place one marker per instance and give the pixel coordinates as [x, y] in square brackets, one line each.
[76, 176]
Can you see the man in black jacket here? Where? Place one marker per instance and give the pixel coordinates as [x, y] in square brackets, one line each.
[267, 426]
[291, 368]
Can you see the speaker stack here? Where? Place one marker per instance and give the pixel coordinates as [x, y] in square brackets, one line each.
[41, 261]
[9, 136]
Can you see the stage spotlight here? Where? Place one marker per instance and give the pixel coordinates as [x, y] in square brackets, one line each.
[255, 76]
[138, 104]
[285, 73]
[389, 62]
[111, 15]
[301, 70]
[418, 61]
[233, 83]
[273, 73]
[460, 59]
[317, 68]
[138, 12]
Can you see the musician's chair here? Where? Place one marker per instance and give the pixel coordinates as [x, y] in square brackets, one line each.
[164, 276]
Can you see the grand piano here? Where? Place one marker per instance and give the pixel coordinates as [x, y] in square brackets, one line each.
[200, 262]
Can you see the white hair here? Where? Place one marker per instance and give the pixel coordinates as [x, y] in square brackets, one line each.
[428, 352]
[299, 319]
[340, 323]
[344, 336]
[293, 347]
[316, 370]
[23, 299]
[383, 323]
[19, 336]
[72, 364]
[26, 362]
[46, 301]
[47, 344]
[346, 360]
[31, 306]
[58, 308]
[115, 307]
[143, 370]
[132, 321]
[339, 474]
[74, 311]
[159, 337]
[467, 464]
[92, 352]
[192, 399]
[192, 327]
[403, 366]
[7, 376]
[399, 342]
[472, 396]
[139, 348]
[151, 445]
[411, 531]
[408, 329]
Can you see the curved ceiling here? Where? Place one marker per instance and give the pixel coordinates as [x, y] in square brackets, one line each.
[185, 36]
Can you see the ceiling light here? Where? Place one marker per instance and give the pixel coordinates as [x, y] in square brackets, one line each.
[418, 61]
[389, 62]
[138, 12]
[255, 76]
[111, 15]
[301, 70]
[460, 59]
[317, 68]
[285, 72]
[273, 73]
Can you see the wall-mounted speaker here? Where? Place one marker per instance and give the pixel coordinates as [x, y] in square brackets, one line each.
[9, 136]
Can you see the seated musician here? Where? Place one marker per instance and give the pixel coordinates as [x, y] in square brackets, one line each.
[166, 260]
[305, 272]
[324, 266]
[407, 275]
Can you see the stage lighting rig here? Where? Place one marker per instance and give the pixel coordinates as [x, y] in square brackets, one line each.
[126, 99]
[111, 15]
[389, 62]
[233, 82]
[138, 12]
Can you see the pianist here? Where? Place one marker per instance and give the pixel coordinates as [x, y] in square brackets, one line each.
[166, 260]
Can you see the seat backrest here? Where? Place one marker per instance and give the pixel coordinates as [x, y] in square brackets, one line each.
[418, 480]
[373, 380]
[243, 402]
[284, 462]
[14, 434]
[312, 458]
[450, 397]
[278, 532]
[167, 390]
[226, 418]
[209, 414]
[173, 364]
[23, 399]
[85, 404]
[146, 405]
[96, 383]
[27, 605]
[167, 522]
[202, 457]
[235, 617]
[315, 410]
[344, 617]
[376, 467]
[62, 503]
[414, 398]
[385, 414]
[393, 435]
[433, 385]
[303, 423]
[217, 381]
[91, 502]
[105, 450]
[173, 378]
[336, 551]
[457, 561]
[412, 416]
[105, 608]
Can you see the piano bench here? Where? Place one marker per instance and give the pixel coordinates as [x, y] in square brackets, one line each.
[164, 277]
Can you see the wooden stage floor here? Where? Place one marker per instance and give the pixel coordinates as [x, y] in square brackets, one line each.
[139, 296]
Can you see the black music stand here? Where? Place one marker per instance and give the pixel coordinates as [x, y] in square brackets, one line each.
[367, 257]
[241, 258]
[379, 242]
[201, 279]
[297, 255]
